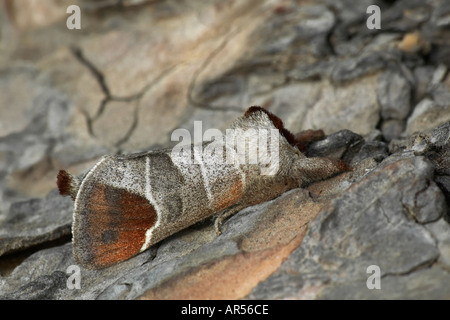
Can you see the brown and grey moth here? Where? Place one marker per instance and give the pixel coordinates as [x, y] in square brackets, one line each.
[127, 203]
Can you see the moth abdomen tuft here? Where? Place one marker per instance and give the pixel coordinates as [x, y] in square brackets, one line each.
[68, 184]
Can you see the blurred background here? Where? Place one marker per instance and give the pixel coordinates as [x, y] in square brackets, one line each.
[137, 70]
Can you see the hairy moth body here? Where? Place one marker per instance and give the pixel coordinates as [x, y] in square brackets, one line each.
[125, 204]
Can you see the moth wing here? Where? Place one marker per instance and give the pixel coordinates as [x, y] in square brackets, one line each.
[110, 224]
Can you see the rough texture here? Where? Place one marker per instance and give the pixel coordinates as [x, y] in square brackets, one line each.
[355, 231]
[139, 69]
[35, 221]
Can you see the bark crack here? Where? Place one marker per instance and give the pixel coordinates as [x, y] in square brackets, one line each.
[109, 97]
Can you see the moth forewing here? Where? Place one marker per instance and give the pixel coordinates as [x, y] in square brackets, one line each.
[125, 204]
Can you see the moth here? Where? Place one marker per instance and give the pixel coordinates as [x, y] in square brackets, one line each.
[127, 203]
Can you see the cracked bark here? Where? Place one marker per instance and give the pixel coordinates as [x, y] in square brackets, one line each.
[130, 131]
[110, 97]
[205, 64]
[421, 266]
